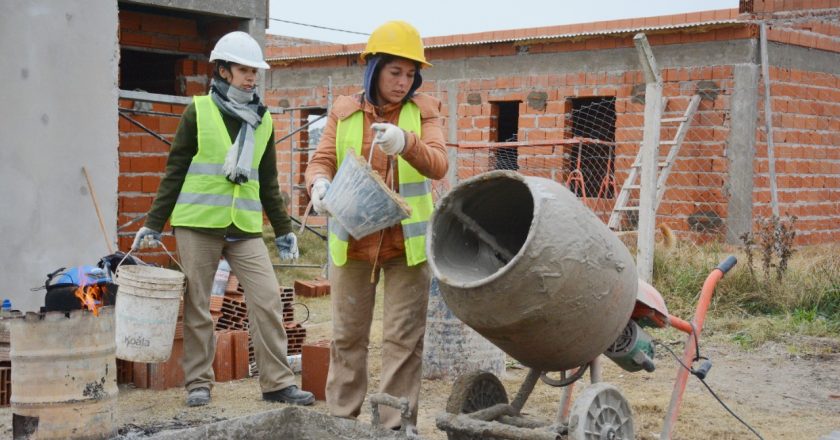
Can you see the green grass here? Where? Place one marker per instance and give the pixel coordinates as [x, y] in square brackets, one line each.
[313, 250]
[749, 308]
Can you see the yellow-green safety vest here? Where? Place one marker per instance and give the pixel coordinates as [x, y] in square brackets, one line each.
[415, 188]
[208, 199]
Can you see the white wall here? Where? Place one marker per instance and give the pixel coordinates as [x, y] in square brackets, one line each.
[58, 112]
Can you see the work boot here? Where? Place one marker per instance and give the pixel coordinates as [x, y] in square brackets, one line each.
[198, 396]
[291, 394]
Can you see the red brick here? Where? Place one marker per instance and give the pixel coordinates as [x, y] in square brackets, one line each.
[223, 361]
[239, 339]
[315, 365]
[312, 288]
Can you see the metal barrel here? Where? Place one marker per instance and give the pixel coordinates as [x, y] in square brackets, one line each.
[524, 263]
[64, 375]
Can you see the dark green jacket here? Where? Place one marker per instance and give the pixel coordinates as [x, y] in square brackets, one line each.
[184, 147]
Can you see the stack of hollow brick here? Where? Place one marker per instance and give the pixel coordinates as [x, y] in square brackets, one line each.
[235, 316]
[5, 366]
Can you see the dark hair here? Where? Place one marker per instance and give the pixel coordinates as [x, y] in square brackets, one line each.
[219, 64]
[372, 78]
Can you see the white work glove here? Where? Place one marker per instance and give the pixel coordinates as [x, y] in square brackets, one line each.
[389, 137]
[146, 238]
[287, 246]
[319, 190]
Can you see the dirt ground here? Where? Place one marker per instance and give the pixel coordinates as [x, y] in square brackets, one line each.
[781, 395]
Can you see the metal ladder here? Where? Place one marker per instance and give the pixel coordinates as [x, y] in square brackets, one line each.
[631, 183]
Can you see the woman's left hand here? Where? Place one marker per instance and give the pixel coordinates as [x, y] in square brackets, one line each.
[389, 137]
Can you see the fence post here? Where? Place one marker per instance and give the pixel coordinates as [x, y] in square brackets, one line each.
[768, 122]
[648, 157]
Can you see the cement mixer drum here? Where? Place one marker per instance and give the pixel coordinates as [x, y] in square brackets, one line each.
[523, 262]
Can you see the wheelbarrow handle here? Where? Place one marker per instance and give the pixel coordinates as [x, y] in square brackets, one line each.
[727, 264]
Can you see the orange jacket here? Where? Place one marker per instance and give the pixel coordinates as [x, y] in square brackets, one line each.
[426, 153]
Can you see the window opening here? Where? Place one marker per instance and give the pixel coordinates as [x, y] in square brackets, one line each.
[591, 167]
[506, 126]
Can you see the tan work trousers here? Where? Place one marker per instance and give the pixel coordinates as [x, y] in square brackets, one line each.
[249, 261]
[406, 298]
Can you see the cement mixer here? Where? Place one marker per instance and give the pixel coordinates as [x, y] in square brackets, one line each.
[524, 263]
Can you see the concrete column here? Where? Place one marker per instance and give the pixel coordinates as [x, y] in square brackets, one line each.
[452, 103]
[740, 151]
[60, 84]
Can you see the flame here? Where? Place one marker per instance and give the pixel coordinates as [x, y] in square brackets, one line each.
[90, 295]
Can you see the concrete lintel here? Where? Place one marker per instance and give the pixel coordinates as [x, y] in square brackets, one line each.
[607, 60]
[803, 58]
[230, 8]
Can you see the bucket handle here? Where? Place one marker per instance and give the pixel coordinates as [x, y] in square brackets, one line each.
[390, 169]
[164, 249]
[370, 153]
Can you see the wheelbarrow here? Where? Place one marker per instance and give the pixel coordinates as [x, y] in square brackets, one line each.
[525, 264]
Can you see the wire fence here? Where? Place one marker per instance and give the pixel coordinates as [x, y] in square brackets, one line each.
[596, 153]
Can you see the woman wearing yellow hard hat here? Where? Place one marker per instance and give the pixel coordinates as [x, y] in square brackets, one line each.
[405, 131]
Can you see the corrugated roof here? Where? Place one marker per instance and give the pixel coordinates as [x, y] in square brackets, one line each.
[535, 38]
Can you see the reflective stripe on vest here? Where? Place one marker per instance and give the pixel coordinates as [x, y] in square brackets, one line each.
[415, 188]
[208, 199]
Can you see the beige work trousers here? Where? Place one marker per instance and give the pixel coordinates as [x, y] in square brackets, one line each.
[249, 261]
[406, 298]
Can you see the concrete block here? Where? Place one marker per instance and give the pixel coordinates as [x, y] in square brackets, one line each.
[315, 365]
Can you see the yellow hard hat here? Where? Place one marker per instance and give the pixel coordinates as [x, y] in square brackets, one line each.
[396, 38]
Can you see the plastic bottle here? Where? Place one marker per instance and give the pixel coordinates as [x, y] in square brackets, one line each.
[221, 279]
[6, 310]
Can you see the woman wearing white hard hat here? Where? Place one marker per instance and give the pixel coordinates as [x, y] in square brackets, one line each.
[221, 175]
[406, 130]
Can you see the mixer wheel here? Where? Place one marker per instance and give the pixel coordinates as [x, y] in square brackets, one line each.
[601, 413]
[474, 391]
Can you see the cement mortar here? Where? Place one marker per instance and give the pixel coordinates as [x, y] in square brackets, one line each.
[292, 423]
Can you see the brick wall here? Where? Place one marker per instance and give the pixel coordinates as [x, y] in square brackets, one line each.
[770, 6]
[697, 178]
[806, 125]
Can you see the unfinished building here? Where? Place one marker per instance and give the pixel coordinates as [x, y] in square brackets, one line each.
[567, 103]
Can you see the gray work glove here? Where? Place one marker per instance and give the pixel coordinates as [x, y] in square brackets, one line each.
[146, 238]
[389, 137]
[287, 246]
[319, 190]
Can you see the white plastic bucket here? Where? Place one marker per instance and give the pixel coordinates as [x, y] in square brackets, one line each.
[360, 201]
[146, 312]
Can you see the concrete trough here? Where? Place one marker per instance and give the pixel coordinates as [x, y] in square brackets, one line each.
[293, 423]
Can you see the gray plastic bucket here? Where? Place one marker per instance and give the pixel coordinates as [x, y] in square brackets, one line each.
[360, 201]
[146, 312]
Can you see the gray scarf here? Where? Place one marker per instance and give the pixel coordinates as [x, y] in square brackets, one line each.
[246, 108]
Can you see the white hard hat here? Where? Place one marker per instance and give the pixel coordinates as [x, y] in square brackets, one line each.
[240, 48]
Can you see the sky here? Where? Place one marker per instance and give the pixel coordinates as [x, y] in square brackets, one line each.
[449, 17]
